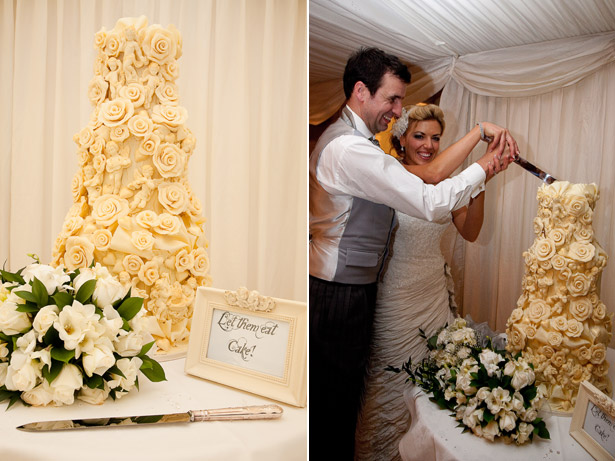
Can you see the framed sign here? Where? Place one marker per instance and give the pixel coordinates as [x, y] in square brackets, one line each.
[593, 422]
[251, 342]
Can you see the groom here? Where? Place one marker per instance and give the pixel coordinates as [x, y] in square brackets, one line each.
[354, 189]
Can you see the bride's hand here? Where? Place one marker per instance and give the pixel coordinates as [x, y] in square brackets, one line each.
[501, 139]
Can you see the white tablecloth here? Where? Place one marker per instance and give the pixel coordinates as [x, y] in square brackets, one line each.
[281, 439]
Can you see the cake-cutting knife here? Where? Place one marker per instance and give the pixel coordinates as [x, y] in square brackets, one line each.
[540, 174]
[219, 414]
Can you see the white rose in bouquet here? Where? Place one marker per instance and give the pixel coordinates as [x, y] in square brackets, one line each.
[128, 344]
[490, 361]
[41, 395]
[23, 372]
[497, 399]
[100, 358]
[508, 420]
[51, 277]
[3, 371]
[13, 322]
[491, 430]
[93, 396]
[45, 319]
[523, 433]
[64, 386]
[129, 368]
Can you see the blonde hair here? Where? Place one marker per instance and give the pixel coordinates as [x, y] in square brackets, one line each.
[411, 115]
[417, 113]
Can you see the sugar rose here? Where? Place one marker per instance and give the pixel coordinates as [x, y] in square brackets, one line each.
[149, 145]
[169, 160]
[544, 248]
[116, 112]
[132, 263]
[538, 311]
[97, 90]
[108, 208]
[578, 284]
[557, 236]
[102, 239]
[580, 308]
[142, 240]
[79, 253]
[581, 251]
[168, 224]
[148, 273]
[168, 94]
[173, 197]
[171, 116]
[576, 205]
[140, 125]
[159, 44]
[135, 92]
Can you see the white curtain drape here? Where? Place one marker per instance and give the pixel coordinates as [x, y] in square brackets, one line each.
[243, 83]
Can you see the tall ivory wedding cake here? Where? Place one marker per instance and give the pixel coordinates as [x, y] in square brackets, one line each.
[560, 324]
[133, 209]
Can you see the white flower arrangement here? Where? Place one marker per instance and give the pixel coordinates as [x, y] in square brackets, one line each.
[489, 392]
[67, 334]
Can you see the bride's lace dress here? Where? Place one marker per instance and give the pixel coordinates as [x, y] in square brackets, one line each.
[416, 292]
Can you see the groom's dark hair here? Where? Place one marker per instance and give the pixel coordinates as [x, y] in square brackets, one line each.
[368, 65]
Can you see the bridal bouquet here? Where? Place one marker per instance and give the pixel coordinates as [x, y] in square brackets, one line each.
[490, 392]
[67, 334]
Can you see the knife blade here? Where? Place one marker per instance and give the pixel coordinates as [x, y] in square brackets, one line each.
[218, 414]
[540, 174]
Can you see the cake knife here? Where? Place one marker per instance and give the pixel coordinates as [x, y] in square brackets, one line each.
[219, 414]
[542, 175]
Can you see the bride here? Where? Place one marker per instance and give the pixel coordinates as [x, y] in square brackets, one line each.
[416, 292]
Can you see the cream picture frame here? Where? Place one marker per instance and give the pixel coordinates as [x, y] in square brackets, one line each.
[593, 422]
[250, 342]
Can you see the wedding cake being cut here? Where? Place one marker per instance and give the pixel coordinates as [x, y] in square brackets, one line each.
[560, 324]
[133, 208]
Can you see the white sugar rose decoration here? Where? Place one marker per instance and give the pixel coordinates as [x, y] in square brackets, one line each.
[108, 208]
[135, 92]
[581, 251]
[140, 125]
[580, 308]
[142, 240]
[169, 160]
[578, 284]
[173, 197]
[171, 116]
[159, 44]
[132, 263]
[169, 224]
[544, 248]
[115, 112]
[79, 253]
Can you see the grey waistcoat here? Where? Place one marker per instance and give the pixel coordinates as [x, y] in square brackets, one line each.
[349, 236]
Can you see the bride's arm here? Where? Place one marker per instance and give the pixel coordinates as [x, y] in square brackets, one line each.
[469, 219]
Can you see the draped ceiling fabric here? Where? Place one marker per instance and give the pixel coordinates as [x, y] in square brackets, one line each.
[243, 83]
[543, 69]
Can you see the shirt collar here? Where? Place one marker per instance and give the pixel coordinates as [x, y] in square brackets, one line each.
[360, 124]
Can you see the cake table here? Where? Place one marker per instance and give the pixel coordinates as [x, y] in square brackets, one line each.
[284, 438]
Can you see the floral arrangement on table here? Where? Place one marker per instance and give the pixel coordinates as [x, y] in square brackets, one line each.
[490, 392]
[67, 334]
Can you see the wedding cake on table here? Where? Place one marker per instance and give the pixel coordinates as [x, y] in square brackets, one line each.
[560, 324]
[133, 208]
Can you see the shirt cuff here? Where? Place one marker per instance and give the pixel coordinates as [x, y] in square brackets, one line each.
[476, 176]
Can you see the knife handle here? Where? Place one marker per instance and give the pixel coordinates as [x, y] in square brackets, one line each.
[234, 413]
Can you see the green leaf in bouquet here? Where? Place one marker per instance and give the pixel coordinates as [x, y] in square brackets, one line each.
[40, 292]
[540, 429]
[51, 374]
[26, 296]
[61, 354]
[73, 275]
[51, 336]
[28, 307]
[95, 382]
[62, 298]
[528, 393]
[85, 291]
[487, 416]
[432, 342]
[130, 307]
[11, 396]
[116, 371]
[152, 370]
[145, 349]
[117, 303]
[12, 277]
